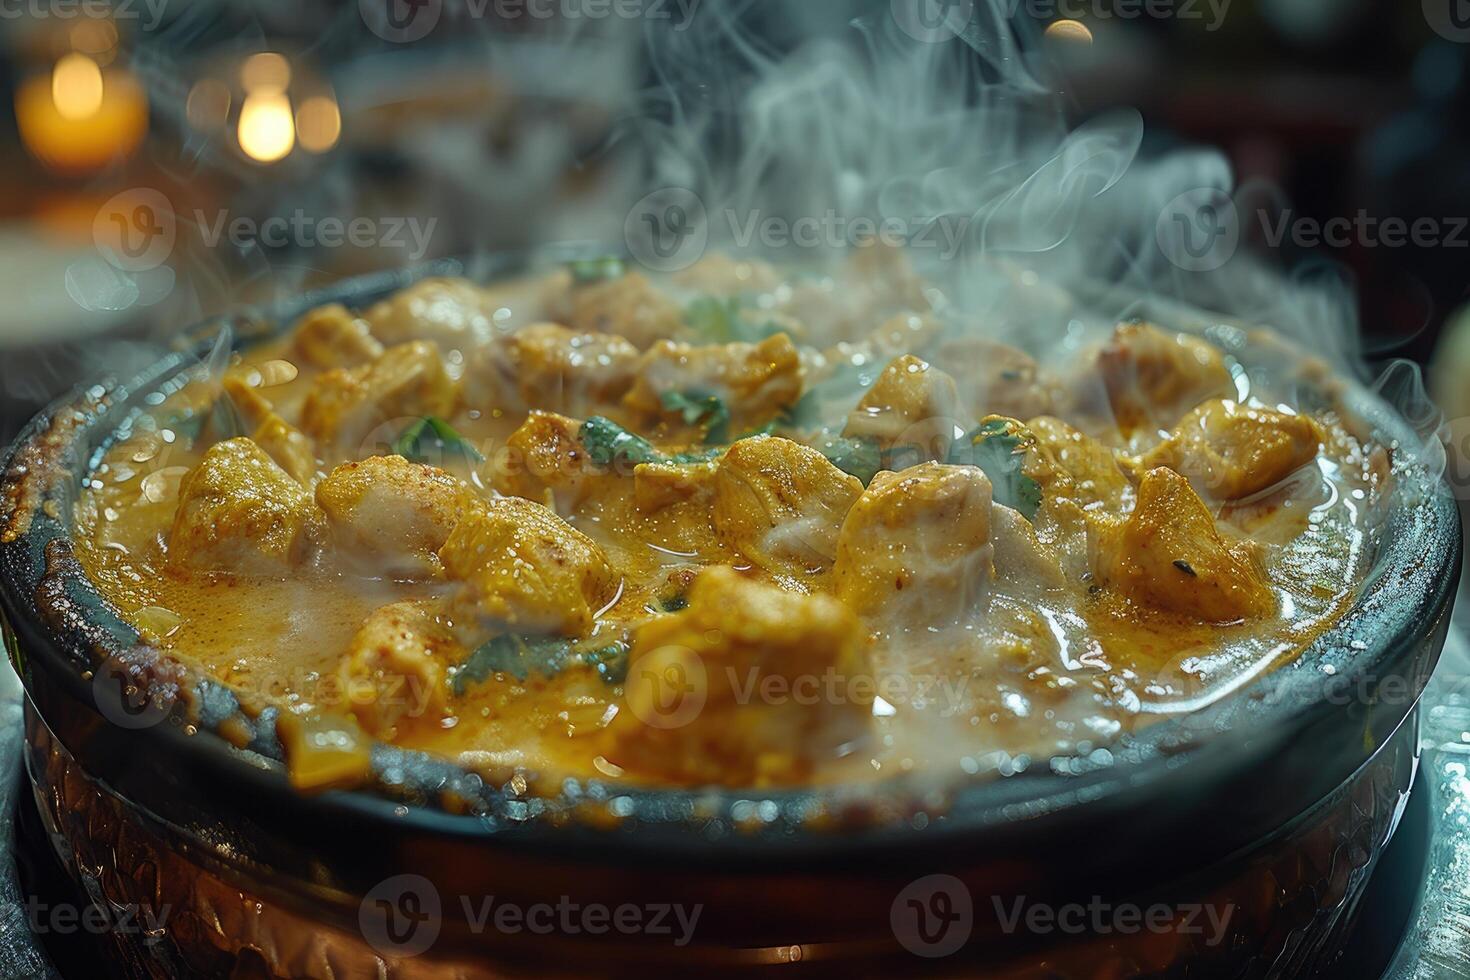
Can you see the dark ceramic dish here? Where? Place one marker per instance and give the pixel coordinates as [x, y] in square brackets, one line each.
[1272, 803]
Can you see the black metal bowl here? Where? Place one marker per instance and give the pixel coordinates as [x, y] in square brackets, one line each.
[1319, 750]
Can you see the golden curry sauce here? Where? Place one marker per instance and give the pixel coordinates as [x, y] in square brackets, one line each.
[737, 528]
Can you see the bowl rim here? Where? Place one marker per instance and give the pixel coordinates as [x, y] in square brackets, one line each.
[1406, 599]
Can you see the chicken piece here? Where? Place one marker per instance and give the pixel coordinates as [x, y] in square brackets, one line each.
[331, 337]
[755, 381]
[289, 447]
[781, 504]
[550, 367]
[912, 408]
[995, 379]
[544, 460]
[1092, 474]
[390, 517]
[903, 333]
[629, 306]
[454, 314]
[696, 713]
[408, 382]
[527, 570]
[718, 274]
[1152, 377]
[1169, 555]
[915, 549]
[281, 440]
[657, 486]
[395, 668]
[239, 512]
[1230, 451]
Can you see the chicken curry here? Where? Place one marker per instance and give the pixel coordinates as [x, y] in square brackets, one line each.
[734, 527]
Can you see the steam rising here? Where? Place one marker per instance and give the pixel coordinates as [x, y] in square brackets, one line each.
[1059, 230]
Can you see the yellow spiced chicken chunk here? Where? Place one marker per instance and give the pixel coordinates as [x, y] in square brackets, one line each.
[331, 337]
[544, 460]
[750, 685]
[345, 404]
[395, 667]
[527, 570]
[912, 404]
[1230, 451]
[781, 504]
[390, 517]
[453, 313]
[1153, 376]
[1092, 469]
[755, 381]
[281, 440]
[995, 378]
[239, 512]
[551, 367]
[1169, 555]
[915, 549]
[629, 306]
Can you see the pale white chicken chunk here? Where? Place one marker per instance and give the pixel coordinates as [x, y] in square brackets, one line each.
[527, 570]
[781, 504]
[241, 513]
[408, 382]
[915, 549]
[390, 517]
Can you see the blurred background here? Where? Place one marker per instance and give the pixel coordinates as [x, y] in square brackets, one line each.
[164, 160]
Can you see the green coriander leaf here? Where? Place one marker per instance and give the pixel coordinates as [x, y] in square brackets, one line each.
[860, 457]
[703, 409]
[998, 446]
[600, 269]
[609, 443]
[545, 656]
[433, 440]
